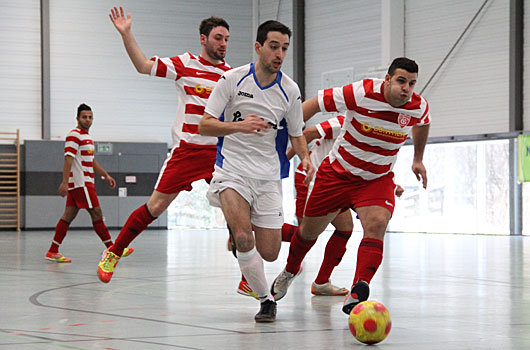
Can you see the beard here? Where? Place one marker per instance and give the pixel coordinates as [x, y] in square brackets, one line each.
[214, 54]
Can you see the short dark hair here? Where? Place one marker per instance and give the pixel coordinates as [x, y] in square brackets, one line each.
[83, 107]
[271, 26]
[404, 63]
[210, 23]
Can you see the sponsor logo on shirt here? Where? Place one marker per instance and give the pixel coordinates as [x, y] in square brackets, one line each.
[245, 94]
[200, 89]
[379, 130]
[403, 120]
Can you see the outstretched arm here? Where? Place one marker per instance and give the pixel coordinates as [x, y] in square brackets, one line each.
[123, 25]
[419, 137]
[310, 108]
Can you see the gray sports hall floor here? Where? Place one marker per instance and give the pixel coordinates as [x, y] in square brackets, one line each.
[178, 291]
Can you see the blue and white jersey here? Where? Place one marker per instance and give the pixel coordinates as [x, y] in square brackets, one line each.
[238, 94]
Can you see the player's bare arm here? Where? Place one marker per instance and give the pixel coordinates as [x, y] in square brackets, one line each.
[419, 137]
[310, 107]
[310, 134]
[67, 168]
[123, 25]
[99, 169]
[252, 124]
[300, 147]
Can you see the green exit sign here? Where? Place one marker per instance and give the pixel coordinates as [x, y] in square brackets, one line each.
[104, 148]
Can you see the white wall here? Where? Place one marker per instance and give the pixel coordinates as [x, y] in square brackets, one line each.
[340, 35]
[470, 93]
[89, 63]
[20, 68]
[282, 11]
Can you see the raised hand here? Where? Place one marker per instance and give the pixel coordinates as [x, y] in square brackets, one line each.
[119, 20]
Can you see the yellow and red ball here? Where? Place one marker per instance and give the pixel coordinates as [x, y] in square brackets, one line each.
[370, 322]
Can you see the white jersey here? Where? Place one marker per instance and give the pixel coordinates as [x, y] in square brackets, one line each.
[374, 130]
[80, 146]
[239, 94]
[194, 79]
[328, 130]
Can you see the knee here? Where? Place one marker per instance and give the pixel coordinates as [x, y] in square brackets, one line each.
[308, 233]
[376, 227]
[156, 207]
[244, 241]
[97, 217]
[68, 217]
[270, 255]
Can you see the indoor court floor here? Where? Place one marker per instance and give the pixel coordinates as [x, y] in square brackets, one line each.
[178, 291]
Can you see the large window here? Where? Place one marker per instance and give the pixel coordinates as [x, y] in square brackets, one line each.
[467, 192]
[467, 189]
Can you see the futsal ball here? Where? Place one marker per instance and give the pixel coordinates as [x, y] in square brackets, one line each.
[370, 322]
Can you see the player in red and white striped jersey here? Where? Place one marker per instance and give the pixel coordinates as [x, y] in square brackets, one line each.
[193, 156]
[357, 174]
[324, 135]
[78, 184]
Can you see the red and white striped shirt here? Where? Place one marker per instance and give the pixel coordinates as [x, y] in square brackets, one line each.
[373, 131]
[80, 146]
[329, 130]
[195, 79]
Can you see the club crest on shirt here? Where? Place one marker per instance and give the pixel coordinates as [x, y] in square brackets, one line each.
[403, 120]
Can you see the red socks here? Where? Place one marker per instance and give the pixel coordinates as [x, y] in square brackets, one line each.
[297, 251]
[102, 232]
[60, 233]
[369, 257]
[136, 223]
[333, 254]
[287, 232]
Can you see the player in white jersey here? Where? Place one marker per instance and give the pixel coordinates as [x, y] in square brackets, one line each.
[247, 110]
[193, 155]
[78, 185]
[357, 174]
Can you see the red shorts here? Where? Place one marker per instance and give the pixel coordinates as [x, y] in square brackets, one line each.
[301, 194]
[184, 166]
[333, 191]
[82, 198]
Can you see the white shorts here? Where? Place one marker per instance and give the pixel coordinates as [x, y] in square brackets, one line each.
[263, 196]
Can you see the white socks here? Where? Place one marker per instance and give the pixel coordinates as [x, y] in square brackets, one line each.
[251, 265]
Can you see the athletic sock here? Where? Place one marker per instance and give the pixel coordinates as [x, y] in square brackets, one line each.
[102, 232]
[251, 265]
[136, 223]
[60, 232]
[287, 232]
[369, 257]
[335, 249]
[297, 251]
